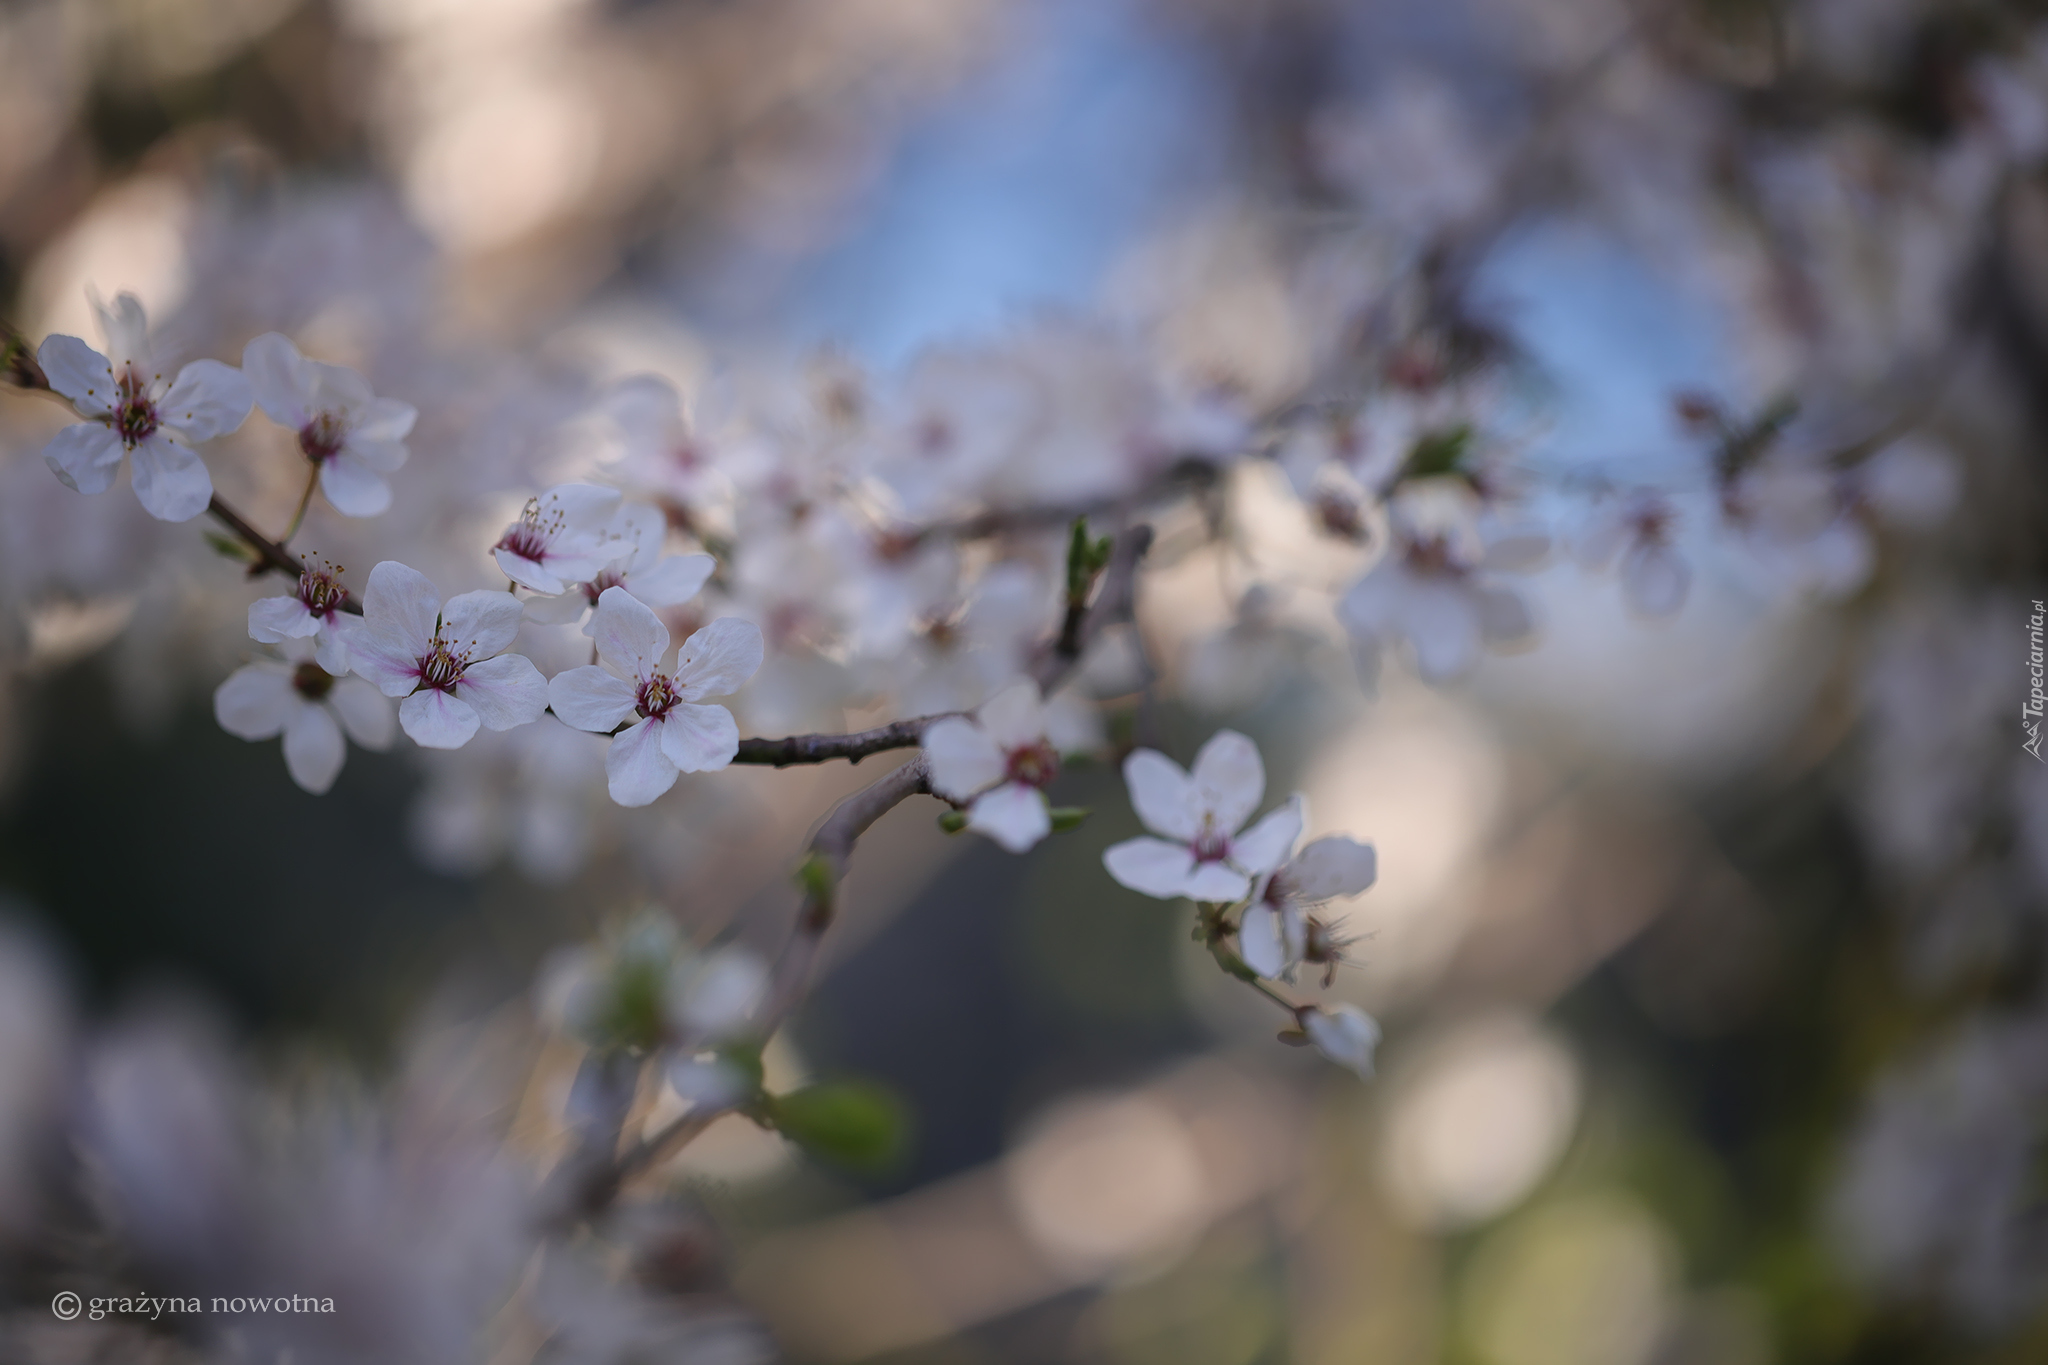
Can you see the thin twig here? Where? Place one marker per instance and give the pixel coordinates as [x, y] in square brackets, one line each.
[305, 501]
[1115, 602]
[821, 748]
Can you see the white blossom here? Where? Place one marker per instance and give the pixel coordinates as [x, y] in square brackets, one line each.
[1273, 935]
[353, 437]
[999, 762]
[562, 537]
[316, 610]
[1345, 1034]
[311, 707]
[655, 579]
[447, 662]
[1205, 852]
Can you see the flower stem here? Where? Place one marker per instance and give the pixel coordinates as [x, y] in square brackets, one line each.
[305, 501]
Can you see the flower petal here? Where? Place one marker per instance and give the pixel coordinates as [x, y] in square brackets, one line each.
[1218, 882]
[1152, 866]
[387, 661]
[80, 373]
[401, 601]
[274, 369]
[635, 768]
[1260, 941]
[1332, 867]
[85, 457]
[272, 619]
[171, 482]
[330, 647]
[209, 399]
[630, 638]
[313, 750]
[1014, 717]
[386, 419]
[1012, 814]
[507, 691]
[718, 660]
[675, 579]
[699, 739]
[484, 622]
[588, 698]
[962, 758]
[364, 712]
[353, 488]
[254, 701]
[436, 720]
[558, 610]
[528, 573]
[1654, 580]
[1229, 779]
[1266, 845]
[1346, 1035]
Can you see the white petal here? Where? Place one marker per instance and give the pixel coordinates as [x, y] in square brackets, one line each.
[699, 739]
[528, 573]
[1072, 726]
[126, 329]
[272, 619]
[386, 419]
[718, 660]
[1346, 1035]
[558, 610]
[1332, 867]
[588, 698]
[352, 488]
[1014, 717]
[507, 691]
[1217, 882]
[483, 622]
[1229, 778]
[629, 636]
[272, 366]
[313, 751]
[85, 457]
[331, 647]
[720, 996]
[635, 768]
[963, 760]
[1260, 942]
[1442, 624]
[670, 581]
[365, 713]
[1504, 617]
[436, 720]
[336, 389]
[584, 506]
[1013, 815]
[1266, 845]
[379, 457]
[1654, 580]
[254, 701]
[209, 399]
[80, 373]
[1152, 866]
[170, 481]
[387, 661]
[401, 601]
[1162, 794]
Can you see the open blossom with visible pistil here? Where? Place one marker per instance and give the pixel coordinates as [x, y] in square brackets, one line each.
[133, 410]
[643, 571]
[448, 663]
[315, 610]
[1205, 853]
[311, 707]
[1275, 932]
[564, 536]
[673, 732]
[354, 437]
[1001, 761]
[1345, 1034]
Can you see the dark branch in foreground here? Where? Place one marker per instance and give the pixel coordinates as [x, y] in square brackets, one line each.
[781, 753]
[271, 557]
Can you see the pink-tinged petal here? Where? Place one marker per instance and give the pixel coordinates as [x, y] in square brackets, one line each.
[391, 664]
[364, 712]
[330, 647]
[1332, 867]
[558, 610]
[1346, 1035]
[1654, 580]
[1266, 845]
[1229, 778]
[1217, 882]
[528, 573]
[170, 481]
[1151, 866]
[507, 691]
[483, 622]
[718, 660]
[274, 370]
[1013, 815]
[80, 373]
[436, 720]
[379, 457]
[313, 751]
[1163, 795]
[280, 618]
[962, 758]
[85, 457]
[670, 581]
[588, 698]
[126, 329]
[630, 638]
[209, 399]
[255, 700]
[1014, 717]
[1260, 941]
[699, 739]
[386, 420]
[635, 768]
[352, 488]
[401, 602]
[337, 389]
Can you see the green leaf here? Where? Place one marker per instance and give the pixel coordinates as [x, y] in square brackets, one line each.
[814, 878]
[1065, 818]
[229, 547]
[856, 1124]
[953, 821]
[633, 1011]
[1438, 452]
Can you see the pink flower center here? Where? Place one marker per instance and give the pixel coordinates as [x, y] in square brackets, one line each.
[1034, 765]
[530, 536]
[606, 578]
[321, 438]
[658, 695]
[321, 590]
[135, 416]
[1433, 555]
[1211, 844]
[443, 665]
[312, 681]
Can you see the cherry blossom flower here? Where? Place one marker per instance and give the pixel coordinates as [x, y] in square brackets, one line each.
[1345, 1034]
[1205, 852]
[311, 707]
[655, 579]
[673, 733]
[352, 436]
[1275, 932]
[132, 410]
[1001, 761]
[562, 537]
[1444, 606]
[447, 662]
[315, 610]
[1638, 528]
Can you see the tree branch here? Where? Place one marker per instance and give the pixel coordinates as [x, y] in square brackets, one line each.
[1115, 601]
[781, 753]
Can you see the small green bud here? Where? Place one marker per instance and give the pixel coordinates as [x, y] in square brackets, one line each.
[1065, 818]
[953, 821]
